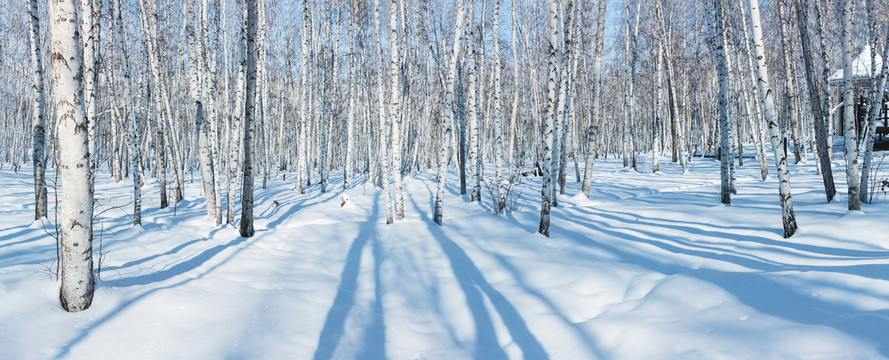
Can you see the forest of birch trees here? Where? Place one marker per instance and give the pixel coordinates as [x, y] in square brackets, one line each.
[325, 95]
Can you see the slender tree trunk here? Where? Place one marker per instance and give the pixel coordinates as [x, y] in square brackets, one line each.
[549, 119]
[38, 154]
[815, 102]
[246, 228]
[500, 204]
[76, 205]
[384, 118]
[594, 111]
[446, 124]
[789, 113]
[768, 99]
[237, 132]
[131, 118]
[658, 122]
[724, 126]
[876, 103]
[196, 58]
[395, 109]
[304, 102]
[851, 146]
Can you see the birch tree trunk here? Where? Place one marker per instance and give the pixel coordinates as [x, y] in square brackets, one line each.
[678, 140]
[474, 137]
[549, 118]
[89, 35]
[721, 65]
[384, 128]
[76, 201]
[208, 51]
[237, 132]
[446, 124]
[246, 228]
[594, 111]
[789, 113]
[395, 108]
[565, 96]
[850, 144]
[195, 65]
[347, 173]
[130, 117]
[656, 143]
[304, 102]
[629, 80]
[500, 204]
[758, 130]
[816, 102]
[876, 102]
[768, 99]
[515, 91]
[38, 154]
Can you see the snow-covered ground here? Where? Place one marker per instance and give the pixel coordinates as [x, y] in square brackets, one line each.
[650, 267]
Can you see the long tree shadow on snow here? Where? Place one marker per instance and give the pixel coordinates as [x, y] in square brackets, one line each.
[206, 255]
[335, 323]
[475, 288]
[758, 290]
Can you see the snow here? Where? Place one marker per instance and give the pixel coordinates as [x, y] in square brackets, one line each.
[651, 266]
[861, 66]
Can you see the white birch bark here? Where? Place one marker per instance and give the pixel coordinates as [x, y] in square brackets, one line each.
[246, 226]
[209, 96]
[876, 102]
[500, 204]
[850, 142]
[768, 99]
[89, 36]
[816, 103]
[594, 111]
[38, 154]
[237, 133]
[196, 60]
[789, 113]
[515, 90]
[304, 102]
[384, 128]
[629, 81]
[350, 119]
[131, 119]
[725, 144]
[76, 201]
[444, 151]
[564, 99]
[549, 118]
[658, 121]
[472, 99]
[395, 108]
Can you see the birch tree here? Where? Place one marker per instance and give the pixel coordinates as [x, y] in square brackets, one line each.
[130, 117]
[768, 100]
[549, 118]
[849, 141]
[246, 226]
[301, 175]
[445, 132]
[195, 66]
[76, 201]
[594, 111]
[724, 143]
[876, 102]
[816, 101]
[38, 154]
[383, 118]
[395, 109]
